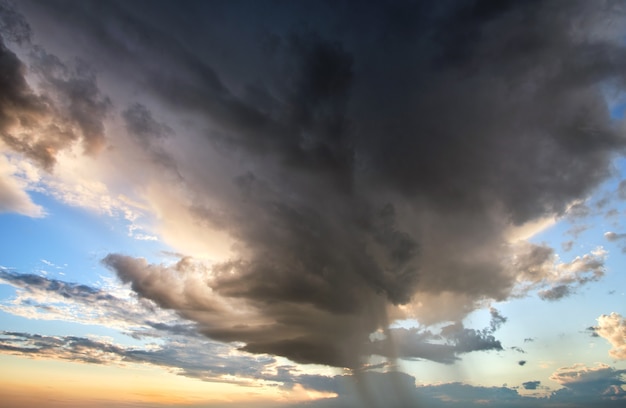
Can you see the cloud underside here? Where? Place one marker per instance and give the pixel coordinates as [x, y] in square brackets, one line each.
[375, 160]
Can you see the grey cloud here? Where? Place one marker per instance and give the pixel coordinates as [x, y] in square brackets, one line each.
[77, 99]
[443, 347]
[593, 331]
[59, 300]
[578, 210]
[13, 25]
[142, 125]
[567, 245]
[555, 293]
[541, 269]
[616, 237]
[613, 236]
[372, 157]
[577, 229]
[19, 106]
[31, 282]
[208, 361]
[399, 390]
[497, 320]
[601, 380]
[531, 385]
[621, 189]
[602, 202]
[521, 362]
[150, 134]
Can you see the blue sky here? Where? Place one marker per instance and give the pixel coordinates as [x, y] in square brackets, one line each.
[304, 204]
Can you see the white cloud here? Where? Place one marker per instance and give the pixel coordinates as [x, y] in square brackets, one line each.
[13, 195]
[539, 267]
[613, 328]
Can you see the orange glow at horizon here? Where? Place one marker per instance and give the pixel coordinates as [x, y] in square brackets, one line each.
[26, 382]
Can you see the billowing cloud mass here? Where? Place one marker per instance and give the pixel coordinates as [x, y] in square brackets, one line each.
[613, 328]
[70, 107]
[365, 166]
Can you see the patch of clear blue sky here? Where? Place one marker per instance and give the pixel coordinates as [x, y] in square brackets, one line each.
[74, 240]
[67, 245]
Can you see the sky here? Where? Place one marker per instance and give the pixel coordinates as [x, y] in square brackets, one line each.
[312, 203]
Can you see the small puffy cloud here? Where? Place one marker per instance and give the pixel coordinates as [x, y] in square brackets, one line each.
[613, 236]
[555, 293]
[616, 237]
[531, 385]
[567, 245]
[612, 327]
[521, 362]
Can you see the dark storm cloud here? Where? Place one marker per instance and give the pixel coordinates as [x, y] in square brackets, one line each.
[67, 107]
[292, 325]
[376, 155]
